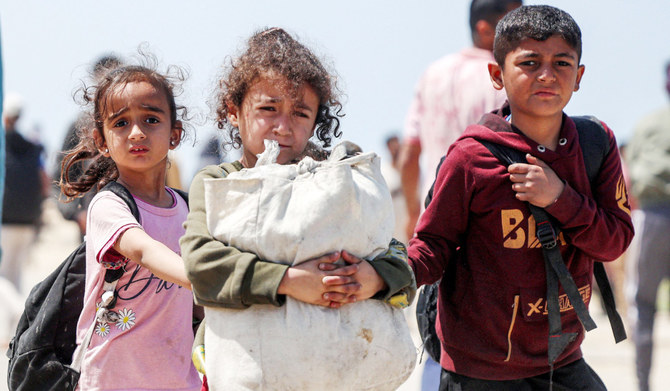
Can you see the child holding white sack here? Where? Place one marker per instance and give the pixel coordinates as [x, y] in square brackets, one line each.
[277, 303]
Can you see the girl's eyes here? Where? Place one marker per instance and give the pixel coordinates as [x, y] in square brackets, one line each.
[120, 123]
[297, 113]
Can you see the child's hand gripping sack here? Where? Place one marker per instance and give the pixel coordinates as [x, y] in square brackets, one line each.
[291, 214]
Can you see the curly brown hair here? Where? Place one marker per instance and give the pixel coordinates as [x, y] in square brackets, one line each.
[101, 169]
[274, 51]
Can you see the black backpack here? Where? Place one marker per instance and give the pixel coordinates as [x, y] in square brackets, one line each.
[40, 353]
[595, 146]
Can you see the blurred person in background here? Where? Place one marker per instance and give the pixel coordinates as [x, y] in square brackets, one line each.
[454, 92]
[648, 260]
[26, 186]
[391, 173]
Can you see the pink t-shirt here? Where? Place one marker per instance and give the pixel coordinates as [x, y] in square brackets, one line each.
[149, 347]
[454, 92]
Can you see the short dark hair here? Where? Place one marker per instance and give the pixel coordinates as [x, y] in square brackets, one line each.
[538, 22]
[488, 10]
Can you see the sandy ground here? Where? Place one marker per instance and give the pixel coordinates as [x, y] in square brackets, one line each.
[613, 362]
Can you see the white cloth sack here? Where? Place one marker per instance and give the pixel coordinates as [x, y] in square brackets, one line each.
[290, 214]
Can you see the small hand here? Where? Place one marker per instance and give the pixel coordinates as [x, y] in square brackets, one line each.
[340, 283]
[535, 182]
[305, 282]
[365, 277]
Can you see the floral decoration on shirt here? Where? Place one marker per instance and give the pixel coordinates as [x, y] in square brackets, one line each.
[126, 319]
[102, 329]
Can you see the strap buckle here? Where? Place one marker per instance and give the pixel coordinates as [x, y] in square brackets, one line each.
[546, 234]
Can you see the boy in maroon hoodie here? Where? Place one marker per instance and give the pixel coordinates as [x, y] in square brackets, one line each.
[479, 234]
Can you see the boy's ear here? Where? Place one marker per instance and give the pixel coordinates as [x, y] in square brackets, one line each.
[175, 135]
[495, 72]
[233, 113]
[580, 73]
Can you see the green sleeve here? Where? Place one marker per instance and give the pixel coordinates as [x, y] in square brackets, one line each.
[223, 276]
[392, 267]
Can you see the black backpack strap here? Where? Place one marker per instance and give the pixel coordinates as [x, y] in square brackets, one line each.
[118, 189]
[555, 267]
[109, 296]
[181, 193]
[557, 271]
[607, 295]
[594, 143]
[429, 196]
[125, 195]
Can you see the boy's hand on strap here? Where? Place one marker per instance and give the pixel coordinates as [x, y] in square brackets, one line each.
[535, 182]
[307, 282]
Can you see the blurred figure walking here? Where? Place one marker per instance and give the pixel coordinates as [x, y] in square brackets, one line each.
[26, 186]
[648, 262]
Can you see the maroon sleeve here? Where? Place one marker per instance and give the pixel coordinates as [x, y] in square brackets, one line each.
[444, 221]
[601, 225]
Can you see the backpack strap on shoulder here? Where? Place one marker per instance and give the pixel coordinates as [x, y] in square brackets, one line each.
[594, 143]
[181, 193]
[112, 276]
[125, 195]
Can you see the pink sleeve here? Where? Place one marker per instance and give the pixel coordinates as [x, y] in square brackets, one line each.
[108, 218]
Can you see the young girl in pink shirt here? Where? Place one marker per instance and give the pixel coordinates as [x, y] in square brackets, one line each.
[144, 341]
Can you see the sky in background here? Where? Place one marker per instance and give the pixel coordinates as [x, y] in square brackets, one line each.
[379, 48]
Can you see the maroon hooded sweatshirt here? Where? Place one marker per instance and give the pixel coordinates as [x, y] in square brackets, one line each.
[493, 321]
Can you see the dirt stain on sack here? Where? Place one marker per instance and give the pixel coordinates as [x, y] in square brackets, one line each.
[366, 334]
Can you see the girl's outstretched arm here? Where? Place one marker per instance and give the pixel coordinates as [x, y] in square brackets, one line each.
[142, 249]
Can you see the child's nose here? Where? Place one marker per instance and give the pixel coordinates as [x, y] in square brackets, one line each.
[546, 73]
[282, 126]
[136, 132]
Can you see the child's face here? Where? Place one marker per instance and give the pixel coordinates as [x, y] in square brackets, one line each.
[269, 111]
[539, 77]
[137, 129]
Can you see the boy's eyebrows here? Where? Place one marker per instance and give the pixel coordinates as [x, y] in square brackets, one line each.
[566, 54]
